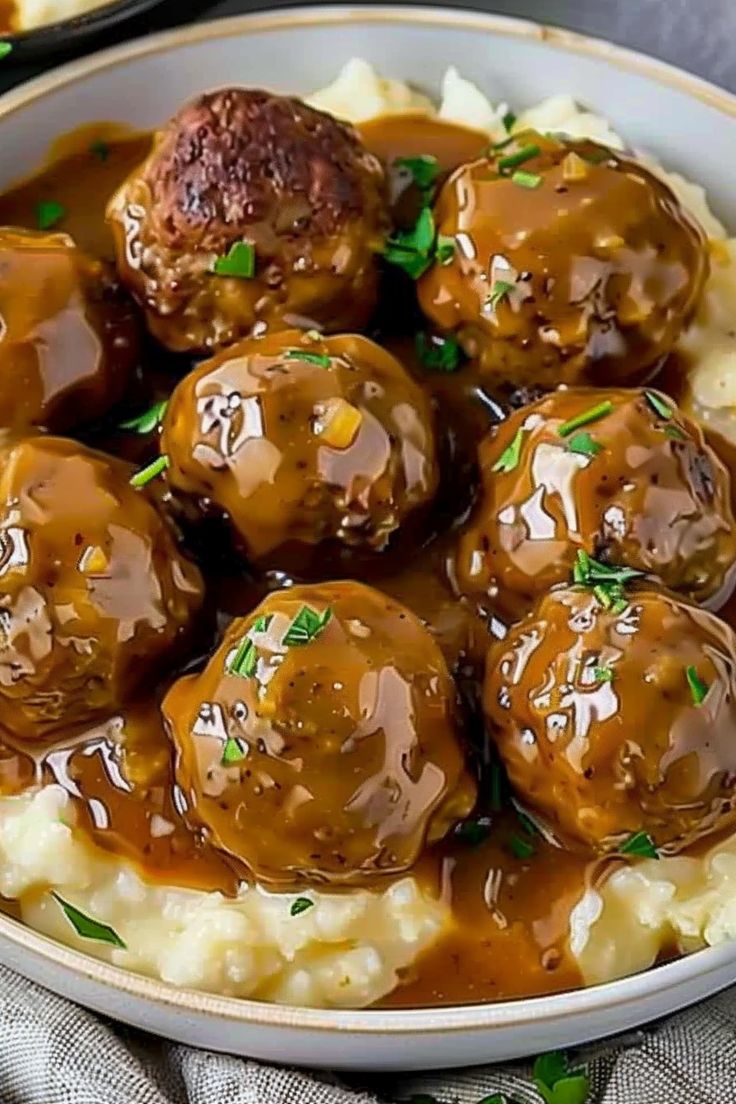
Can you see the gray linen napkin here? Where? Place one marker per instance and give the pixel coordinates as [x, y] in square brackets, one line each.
[52, 1052]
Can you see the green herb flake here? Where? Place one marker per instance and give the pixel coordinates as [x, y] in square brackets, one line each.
[520, 157]
[641, 845]
[603, 674]
[149, 420]
[100, 150]
[593, 414]
[526, 179]
[232, 752]
[438, 354]
[5, 49]
[501, 290]
[675, 433]
[307, 626]
[521, 848]
[473, 832]
[509, 458]
[88, 928]
[607, 581]
[320, 359]
[300, 905]
[239, 262]
[583, 445]
[424, 169]
[508, 121]
[444, 249]
[658, 405]
[411, 250]
[556, 1083]
[49, 213]
[245, 660]
[151, 471]
[698, 688]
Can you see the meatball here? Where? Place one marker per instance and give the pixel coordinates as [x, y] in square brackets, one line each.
[572, 264]
[322, 741]
[93, 591]
[264, 185]
[619, 720]
[68, 334]
[622, 475]
[301, 438]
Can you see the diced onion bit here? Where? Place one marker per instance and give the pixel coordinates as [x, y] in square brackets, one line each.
[339, 424]
[574, 168]
[94, 561]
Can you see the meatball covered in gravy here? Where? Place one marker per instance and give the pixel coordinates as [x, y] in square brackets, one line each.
[252, 208]
[300, 439]
[618, 720]
[68, 333]
[321, 741]
[572, 264]
[93, 590]
[622, 475]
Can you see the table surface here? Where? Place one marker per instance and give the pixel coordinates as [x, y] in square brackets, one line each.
[695, 34]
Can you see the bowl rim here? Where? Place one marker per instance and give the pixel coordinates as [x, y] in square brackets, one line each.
[472, 1018]
[87, 21]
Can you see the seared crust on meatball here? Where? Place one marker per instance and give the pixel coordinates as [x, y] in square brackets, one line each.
[94, 594]
[623, 475]
[69, 334]
[302, 439]
[614, 721]
[246, 165]
[572, 264]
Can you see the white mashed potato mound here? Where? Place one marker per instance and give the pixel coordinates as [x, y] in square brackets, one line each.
[37, 13]
[343, 952]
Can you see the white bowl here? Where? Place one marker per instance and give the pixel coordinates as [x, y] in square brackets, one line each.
[691, 126]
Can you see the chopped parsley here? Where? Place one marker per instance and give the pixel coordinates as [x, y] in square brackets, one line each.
[151, 471]
[675, 433]
[641, 845]
[501, 290]
[424, 169]
[584, 445]
[508, 121]
[49, 213]
[100, 150]
[556, 1083]
[438, 354]
[607, 581]
[474, 831]
[521, 848]
[526, 179]
[232, 752]
[658, 405]
[513, 160]
[239, 261]
[300, 905]
[87, 927]
[148, 420]
[593, 414]
[307, 626]
[603, 674]
[698, 688]
[320, 359]
[444, 249]
[509, 458]
[412, 250]
[5, 49]
[245, 659]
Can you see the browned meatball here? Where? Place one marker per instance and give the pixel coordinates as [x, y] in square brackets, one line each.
[321, 741]
[572, 264]
[619, 720]
[68, 333]
[623, 475]
[93, 591]
[301, 439]
[242, 165]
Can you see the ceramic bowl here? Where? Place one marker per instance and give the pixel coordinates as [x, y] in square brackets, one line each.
[674, 115]
[66, 34]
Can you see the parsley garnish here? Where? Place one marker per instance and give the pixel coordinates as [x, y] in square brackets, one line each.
[5, 49]
[557, 1083]
[88, 928]
[444, 249]
[145, 475]
[320, 359]
[49, 213]
[594, 414]
[239, 261]
[300, 905]
[232, 752]
[603, 674]
[584, 445]
[526, 179]
[473, 832]
[149, 419]
[438, 354]
[520, 847]
[245, 659]
[307, 626]
[512, 160]
[500, 290]
[658, 405]
[675, 433]
[698, 688]
[424, 169]
[641, 845]
[509, 458]
[605, 580]
[508, 121]
[100, 150]
[411, 250]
